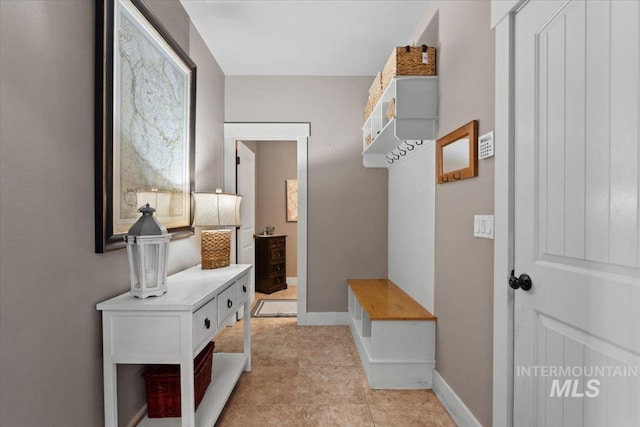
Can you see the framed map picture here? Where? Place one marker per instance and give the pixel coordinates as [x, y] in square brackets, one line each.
[145, 123]
[292, 199]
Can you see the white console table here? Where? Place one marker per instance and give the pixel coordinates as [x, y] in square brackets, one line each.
[173, 329]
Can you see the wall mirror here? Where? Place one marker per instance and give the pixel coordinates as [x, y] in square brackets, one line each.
[457, 154]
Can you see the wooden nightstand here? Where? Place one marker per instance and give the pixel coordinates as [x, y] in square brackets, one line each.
[271, 263]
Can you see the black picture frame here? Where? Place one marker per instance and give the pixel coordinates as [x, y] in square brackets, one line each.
[106, 237]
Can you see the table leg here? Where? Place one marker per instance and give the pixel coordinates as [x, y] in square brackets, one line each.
[247, 334]
[110, 394]
[187, 391]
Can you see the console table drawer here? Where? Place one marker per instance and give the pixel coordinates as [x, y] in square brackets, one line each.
[205, 322]
[227, 302]
[243, 288]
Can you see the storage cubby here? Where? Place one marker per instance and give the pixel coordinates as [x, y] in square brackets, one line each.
[395, 335]
[416, 99]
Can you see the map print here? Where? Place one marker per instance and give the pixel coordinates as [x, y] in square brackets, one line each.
[152, 132]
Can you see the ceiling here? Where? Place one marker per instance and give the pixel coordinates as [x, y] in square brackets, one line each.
[304, 37]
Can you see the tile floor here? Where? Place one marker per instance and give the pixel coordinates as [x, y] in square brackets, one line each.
[312, 376]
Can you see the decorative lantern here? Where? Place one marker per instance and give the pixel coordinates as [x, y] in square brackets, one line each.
[148, 251]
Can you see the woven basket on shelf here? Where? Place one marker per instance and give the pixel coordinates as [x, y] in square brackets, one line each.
[163, 384]
[375, 92]
[367, 139]
[408, 61]
[215, 248]
[391, 110]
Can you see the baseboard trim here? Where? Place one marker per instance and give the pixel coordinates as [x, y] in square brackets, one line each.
[292, 281]
[323, 319]
[452, 403]
[139, 416]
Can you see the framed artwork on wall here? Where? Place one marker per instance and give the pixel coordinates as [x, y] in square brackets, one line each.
[145, 123]
[292, 199]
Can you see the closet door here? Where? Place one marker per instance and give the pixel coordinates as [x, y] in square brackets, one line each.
[576, 331]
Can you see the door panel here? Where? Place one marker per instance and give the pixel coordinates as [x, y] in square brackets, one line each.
[577, 219]
[246, 182]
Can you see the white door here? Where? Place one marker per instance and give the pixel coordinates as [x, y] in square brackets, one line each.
[577, 331]
[246, 186]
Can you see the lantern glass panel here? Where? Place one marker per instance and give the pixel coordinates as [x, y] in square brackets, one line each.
[151, 258]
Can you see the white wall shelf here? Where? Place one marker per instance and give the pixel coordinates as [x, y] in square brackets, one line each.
[416, 99]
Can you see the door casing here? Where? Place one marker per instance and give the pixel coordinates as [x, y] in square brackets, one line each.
[299, 132]
[502, 19]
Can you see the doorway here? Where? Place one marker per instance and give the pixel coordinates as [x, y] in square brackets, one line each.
[263, 133]
[267, 178]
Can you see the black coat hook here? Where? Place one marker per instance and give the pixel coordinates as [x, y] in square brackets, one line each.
[410, 146]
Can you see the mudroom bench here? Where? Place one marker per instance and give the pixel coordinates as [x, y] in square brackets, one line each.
[394, 334]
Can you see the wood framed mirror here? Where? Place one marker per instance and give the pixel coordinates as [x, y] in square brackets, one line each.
[457, 154]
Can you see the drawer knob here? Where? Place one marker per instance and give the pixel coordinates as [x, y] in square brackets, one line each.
[244, 288]
[207, 323]
[229, 303]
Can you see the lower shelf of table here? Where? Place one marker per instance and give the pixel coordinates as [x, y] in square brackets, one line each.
[227, 368]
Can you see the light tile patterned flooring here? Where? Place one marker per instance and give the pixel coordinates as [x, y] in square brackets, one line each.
[312, 376]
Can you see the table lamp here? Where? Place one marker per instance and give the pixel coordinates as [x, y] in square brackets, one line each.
[216, 210]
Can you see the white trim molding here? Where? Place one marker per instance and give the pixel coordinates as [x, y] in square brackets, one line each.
[299, 132]
[138, 417]
[503, 20]
[339, 318]
[461, 415]
[503, 8]
[292, 281]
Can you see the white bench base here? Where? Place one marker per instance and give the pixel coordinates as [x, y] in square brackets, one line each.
[395, 354]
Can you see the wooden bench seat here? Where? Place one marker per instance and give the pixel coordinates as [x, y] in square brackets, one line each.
[394, 334]
[384, 300]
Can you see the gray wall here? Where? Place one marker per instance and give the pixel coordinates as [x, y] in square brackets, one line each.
[347, 202]
[463, 263]
[276, 161]
[50, 278]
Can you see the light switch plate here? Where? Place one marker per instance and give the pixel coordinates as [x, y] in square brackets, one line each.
[483, 226]
[485, 146]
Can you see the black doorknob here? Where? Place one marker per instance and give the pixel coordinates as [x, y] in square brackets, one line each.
[523, 282]
[244, 288]
[207, 323]
[229, 303]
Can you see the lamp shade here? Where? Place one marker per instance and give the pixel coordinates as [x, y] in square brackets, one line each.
[217, 209]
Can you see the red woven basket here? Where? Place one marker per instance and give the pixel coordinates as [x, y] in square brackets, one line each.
[163, 384]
